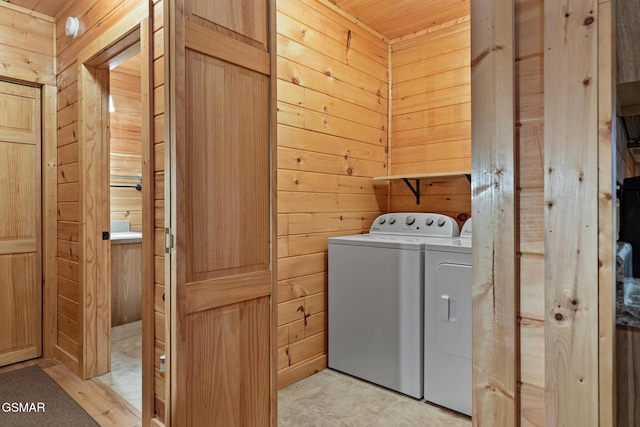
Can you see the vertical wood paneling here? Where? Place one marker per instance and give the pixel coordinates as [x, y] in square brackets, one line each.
[126, 281]
[220, 338]
[222, 311]
[571, 212]
[332, 137]
[493, 202]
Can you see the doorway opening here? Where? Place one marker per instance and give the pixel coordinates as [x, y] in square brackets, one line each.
[116, 196]
[126, 188]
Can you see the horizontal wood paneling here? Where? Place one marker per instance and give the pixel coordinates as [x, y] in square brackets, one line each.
[532, 412]
[126, 142]
[96, 18]
[27, 45]
[158, 136]
[529, 74]
[431, 119]
[332, 138]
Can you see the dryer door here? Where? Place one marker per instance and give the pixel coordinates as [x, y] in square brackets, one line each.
[453, 309]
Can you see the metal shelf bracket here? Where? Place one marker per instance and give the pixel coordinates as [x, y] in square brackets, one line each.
[415, 190]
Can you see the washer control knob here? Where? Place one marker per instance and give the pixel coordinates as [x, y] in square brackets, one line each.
[429, 220]
[410, 220]
[382, 220]
[441, 222]
[392, 220]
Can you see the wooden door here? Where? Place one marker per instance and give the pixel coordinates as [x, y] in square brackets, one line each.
[221, 130]
[20, 226]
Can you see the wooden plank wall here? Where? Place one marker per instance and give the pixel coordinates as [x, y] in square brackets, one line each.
[126, 142]
[571, 214]
[96, 17]
[530, 206]
[332, 137]
[628, 376]
[26, 58]
[32, 59]
[431, 117]
[158, 133]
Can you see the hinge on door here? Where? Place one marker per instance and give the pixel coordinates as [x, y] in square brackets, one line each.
[168, 240]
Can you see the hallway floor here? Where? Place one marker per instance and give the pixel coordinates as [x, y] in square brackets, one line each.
[330, 399]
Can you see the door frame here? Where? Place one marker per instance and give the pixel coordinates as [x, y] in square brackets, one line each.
[130, 34]
[49, 113]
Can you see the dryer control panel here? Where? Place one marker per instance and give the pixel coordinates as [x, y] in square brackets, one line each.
[415, 224]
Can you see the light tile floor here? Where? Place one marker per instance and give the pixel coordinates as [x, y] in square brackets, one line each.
[326, 399]
[125, 377]
[330, 399]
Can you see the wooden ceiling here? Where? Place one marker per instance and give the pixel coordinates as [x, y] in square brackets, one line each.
[391, 18]
[46, 7]
[396, 18]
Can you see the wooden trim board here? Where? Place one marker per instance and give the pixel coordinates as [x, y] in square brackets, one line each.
[148, 258]
[571, 213]
[495, 298]
[50, 223]
[421, 175]
[606, 213]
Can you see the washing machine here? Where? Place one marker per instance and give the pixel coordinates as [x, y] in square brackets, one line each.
[376, 299]
[447, 322]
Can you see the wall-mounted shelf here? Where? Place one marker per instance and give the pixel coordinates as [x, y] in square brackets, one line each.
[418, 176]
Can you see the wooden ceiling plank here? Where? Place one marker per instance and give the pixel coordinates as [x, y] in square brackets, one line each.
[15, 6]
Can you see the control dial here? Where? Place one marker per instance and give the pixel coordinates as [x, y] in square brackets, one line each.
[382, 220]
[410, 220]
[429, 220]
[392, 220]
[441, 222]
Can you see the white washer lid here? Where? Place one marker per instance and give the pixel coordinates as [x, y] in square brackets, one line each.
[380, 241]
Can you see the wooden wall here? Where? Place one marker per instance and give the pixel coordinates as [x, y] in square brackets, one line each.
[332, 137]
[31, 59]
[160, 327]
[27, 45]
[628, 376]
[529, 71]
[431, 101]
[431, 117]
[96, 18]
[126, 142]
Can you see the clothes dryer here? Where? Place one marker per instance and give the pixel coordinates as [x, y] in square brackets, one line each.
[447, 327]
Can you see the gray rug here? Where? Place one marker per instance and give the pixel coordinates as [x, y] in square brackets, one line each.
[29, 397]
